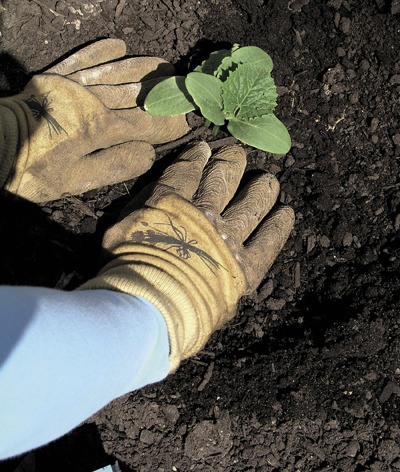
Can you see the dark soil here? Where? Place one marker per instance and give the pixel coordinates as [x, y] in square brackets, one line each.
[307, 376]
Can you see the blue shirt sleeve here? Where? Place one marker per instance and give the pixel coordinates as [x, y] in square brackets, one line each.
[65, 355]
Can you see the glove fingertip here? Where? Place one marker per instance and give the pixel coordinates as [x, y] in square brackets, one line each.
[265, 244]
[99, 52]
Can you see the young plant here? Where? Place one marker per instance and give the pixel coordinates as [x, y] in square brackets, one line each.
[233, 86]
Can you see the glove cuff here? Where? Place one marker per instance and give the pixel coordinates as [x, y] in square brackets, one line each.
[13, 143]
[8, 142]
[194, 297]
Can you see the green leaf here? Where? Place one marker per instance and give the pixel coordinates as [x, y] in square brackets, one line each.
[169, 98]
[253, 55]
[248, 92]
[210, 65]
[246, 55]
[206, 91]
[266, 133]
[226, 64]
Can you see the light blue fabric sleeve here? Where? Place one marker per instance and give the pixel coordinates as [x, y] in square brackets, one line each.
[65, 355]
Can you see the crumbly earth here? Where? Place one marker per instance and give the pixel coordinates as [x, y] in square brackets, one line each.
[307, 376]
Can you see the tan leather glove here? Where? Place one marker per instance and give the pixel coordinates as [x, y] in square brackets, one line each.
[78, 127]
[195, 248]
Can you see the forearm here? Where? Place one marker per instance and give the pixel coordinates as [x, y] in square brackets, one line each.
[64, 355]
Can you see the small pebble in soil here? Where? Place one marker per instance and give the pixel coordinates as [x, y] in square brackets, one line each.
[297, 275]
[274, 169]
[395, 8]
[396, 139]
[340, 52]
[397, 222]
[395, 80]
[352, 448]
[311, 241]
[57, 215]
[267, 289]
[275, 304]
[364, 65]
[374, 125]
[324, 241]
[272, 461]
[356, 242]
[353, 98]
[347, 239]
[345, 24]
[289, 161]
[337, 19]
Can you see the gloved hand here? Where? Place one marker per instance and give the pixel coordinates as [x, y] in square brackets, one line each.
[77, 127]
[195, 248]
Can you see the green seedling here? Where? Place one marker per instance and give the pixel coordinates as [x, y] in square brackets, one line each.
[232, 87]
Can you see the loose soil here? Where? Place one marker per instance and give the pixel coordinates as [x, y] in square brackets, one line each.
[307, 376]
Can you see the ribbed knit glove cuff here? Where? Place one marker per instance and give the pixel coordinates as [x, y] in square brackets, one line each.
[173, 256]
[11, 117]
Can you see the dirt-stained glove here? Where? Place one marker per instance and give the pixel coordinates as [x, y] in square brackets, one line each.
[196, 247]
[78, 127]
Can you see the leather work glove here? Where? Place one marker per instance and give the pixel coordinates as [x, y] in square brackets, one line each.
[195, 247]
[78, 127]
